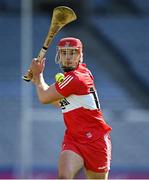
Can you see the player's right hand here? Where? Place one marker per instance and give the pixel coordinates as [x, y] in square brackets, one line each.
[37, 67]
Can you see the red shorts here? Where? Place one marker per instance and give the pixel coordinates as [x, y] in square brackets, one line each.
[96, 155]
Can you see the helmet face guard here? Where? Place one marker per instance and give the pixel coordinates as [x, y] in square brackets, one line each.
[69, 53]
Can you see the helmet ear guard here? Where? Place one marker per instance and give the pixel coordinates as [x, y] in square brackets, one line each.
[81, 57]
[57, 56]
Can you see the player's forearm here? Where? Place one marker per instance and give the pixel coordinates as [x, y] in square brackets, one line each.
[42, 88]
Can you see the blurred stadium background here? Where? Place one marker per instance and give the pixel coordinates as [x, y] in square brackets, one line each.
[115, 34]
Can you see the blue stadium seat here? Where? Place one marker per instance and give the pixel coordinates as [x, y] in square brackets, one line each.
[143, 5]
[130, 35]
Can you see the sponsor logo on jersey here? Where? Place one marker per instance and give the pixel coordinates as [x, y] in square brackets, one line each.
[64, 103]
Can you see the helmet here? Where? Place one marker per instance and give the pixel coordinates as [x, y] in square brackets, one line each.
[69, 43]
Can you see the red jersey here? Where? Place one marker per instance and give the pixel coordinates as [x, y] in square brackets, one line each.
[80, 107]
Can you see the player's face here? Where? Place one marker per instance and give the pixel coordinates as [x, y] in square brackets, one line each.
[69, 57]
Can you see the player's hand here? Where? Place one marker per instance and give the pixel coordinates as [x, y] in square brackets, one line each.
[37, 68]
